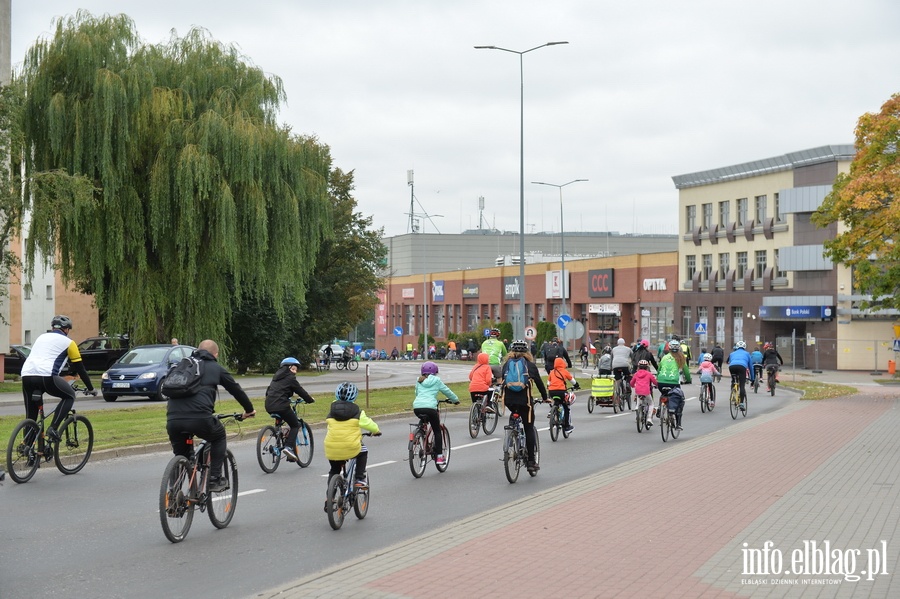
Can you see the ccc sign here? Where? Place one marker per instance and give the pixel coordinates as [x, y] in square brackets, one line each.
[600, 283]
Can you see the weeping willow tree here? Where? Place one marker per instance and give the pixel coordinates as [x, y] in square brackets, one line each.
[11, 100]
[160, 182]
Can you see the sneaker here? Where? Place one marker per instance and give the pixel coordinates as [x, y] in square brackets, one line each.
[569, 429]
[289, 454]
[217, 484]
[649, 423]
[52, 434]
[741, 405]
[361, 483]
[532, 468]
[678, 428]
[439, 460]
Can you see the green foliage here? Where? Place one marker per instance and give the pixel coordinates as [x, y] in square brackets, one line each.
[506, 331]
[11, 105]
[161, 182]
[865, 203]
[545, 332]
[419, 340]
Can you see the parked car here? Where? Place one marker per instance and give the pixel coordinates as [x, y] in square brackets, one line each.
[99, 353]
[335, 348]
[15, 357]
[141, 371]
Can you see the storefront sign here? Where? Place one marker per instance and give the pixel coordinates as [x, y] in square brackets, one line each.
[605, 309]
[510, 288]
[470, 291]
[409, 292]
[654, 284]
[437, 291]
[553, 283]
[796, 312]
[600, 283]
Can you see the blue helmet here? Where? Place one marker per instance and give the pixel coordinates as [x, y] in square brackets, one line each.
[290, 362]
[346, 392]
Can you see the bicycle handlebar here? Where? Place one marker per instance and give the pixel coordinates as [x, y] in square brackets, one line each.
[236, 415]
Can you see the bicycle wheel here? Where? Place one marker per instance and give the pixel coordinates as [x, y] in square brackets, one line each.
[555, 424]
[673, 426]
[772, 383]
[627, 397]
[744, 407]
[339, 364]
[639, 418]
[361, 502]
[511, 462]
[664, 422]
[711, 398]
[268, 450]
[733, 400]
[76, 442]
[561, 416]
[417, 456]
[176, 505]
[221, 506]
[335, 501]
[445, 435]
[22, 457]
[703, 394]
[756, 385]
[616, 400]
[352, 365]
[475, 419]
[304, 445]
[489, 418]
[537, 452]
[590, 404]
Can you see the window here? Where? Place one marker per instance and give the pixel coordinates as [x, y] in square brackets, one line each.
[724, 266]
[686, 327]
[741, 264]
[742, 211]
[720, 324]
[707, 266]
[779, 217]
[691, 218]
[707, 217]
[760, 209]
[737, 316]
[27, 338]
[724, 212]
[26, 291]
[779, 274]
[760, 263]
[49, 292]
[691, 267]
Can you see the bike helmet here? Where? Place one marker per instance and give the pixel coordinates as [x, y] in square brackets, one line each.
[429, 368]
[61, 322]
[643, 364]
[519, 346]
[740, 345]
[707, 357]
[767, 346]
[674, 345]
[290, 362]
[346, 392]
[495, 333]
[607, 349]
[645, 343]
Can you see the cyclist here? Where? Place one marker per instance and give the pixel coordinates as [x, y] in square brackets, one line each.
[49, 356]
[195, 414]
[708, 373]
[756, 357]
[427, 388]
[346, 355]
[643, 381]
[556, 383]
[671, 368]
[771, 357]
[555, 350]
[495, 350]
[621, 361]
[481, 377]
[739, 364]
[718, 357]
[643, 353]
[521, 402]
[278, 400]
[343, 439]
[604, 364]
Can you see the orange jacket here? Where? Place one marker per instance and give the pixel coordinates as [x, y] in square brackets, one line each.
[556, 381]
[480, 375]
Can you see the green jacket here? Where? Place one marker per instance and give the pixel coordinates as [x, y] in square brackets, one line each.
[670, 374]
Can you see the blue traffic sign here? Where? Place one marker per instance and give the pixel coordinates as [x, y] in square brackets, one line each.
[700, 328]
[398, 331]
[563, 321]
[896, 344]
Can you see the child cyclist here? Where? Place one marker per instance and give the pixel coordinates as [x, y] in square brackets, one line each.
[481, 377]
[643, 381]
[708, 373]
[278, 401]
[556, 385]
[427, 388]
[343, 440]
[671, 367]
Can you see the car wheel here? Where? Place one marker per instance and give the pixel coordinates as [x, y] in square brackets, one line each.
[159, 396]
[110, 397]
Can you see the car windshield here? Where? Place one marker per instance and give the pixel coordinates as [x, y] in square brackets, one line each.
[25, 349]
[145, 355]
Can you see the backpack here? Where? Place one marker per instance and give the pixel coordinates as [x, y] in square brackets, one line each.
[184, 379]
[517, 375]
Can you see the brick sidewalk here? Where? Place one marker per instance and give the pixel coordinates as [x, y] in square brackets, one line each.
[820, 471]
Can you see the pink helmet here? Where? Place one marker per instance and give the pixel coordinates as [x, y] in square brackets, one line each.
[429, 368]
[645, 342]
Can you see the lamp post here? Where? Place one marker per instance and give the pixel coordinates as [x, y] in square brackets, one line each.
[520, 333]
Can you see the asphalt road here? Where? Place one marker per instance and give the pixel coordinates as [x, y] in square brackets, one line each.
[97, 533]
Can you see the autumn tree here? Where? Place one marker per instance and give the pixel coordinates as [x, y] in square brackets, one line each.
[159, 181]
[866, 205]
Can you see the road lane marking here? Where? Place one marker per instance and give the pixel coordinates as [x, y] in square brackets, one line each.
[370, 466]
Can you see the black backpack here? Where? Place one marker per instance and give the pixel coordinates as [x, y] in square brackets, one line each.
[184, 379]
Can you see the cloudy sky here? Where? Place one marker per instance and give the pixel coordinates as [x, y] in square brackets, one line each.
[644, 90]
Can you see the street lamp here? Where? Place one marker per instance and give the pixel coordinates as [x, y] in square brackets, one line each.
[521, 331]
[562, 237]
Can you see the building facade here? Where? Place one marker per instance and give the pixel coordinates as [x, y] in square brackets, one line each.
[752, 264]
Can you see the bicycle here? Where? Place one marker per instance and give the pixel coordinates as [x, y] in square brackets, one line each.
[29, 446]
[734, 399]
[642, 414]
[421, 444]
[270, 442]
[622, 395]
[772, 377]
[343, 494]
[757, 375]
[558, 413]
[707, 397]
[667, 423]
[350, 364]
[185, 488]
[515, 449]
[483, 414]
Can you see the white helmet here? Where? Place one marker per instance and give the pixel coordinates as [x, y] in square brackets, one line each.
[707, 357]
[740, 345]
[674, 345]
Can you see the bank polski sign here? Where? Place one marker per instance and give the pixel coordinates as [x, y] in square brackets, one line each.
[796, 312]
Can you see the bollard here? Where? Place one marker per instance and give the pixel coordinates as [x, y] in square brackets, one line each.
[892, 366]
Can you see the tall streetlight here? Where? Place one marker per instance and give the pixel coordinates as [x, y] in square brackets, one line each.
[562, 237]
[520, 333]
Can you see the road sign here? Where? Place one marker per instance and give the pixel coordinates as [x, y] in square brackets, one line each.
[575, 330]
[896, 344]
[530, 333]
[398, 331]
[563, 321]
[700, 328]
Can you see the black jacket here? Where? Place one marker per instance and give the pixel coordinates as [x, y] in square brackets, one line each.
[284, 384]
[203, 403]
[556, 351]
[718, 354]
[643, 353]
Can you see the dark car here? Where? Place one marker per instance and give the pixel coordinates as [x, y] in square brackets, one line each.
[141, 371]
[99, 353]
[15, 357]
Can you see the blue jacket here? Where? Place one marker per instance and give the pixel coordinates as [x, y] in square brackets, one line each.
[741, 357]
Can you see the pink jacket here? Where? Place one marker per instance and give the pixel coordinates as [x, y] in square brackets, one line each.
[707, 371]
[643, 381]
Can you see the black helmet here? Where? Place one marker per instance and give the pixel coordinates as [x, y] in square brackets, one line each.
[519, 346]
[61, 322]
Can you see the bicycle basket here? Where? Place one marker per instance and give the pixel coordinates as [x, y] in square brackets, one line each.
[601, 386]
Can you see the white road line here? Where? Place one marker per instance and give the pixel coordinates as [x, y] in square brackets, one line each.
[370, 466]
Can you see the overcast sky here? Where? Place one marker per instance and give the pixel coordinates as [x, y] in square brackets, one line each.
[644, 90]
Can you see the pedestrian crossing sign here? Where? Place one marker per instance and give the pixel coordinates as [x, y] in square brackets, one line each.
[700, 328]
